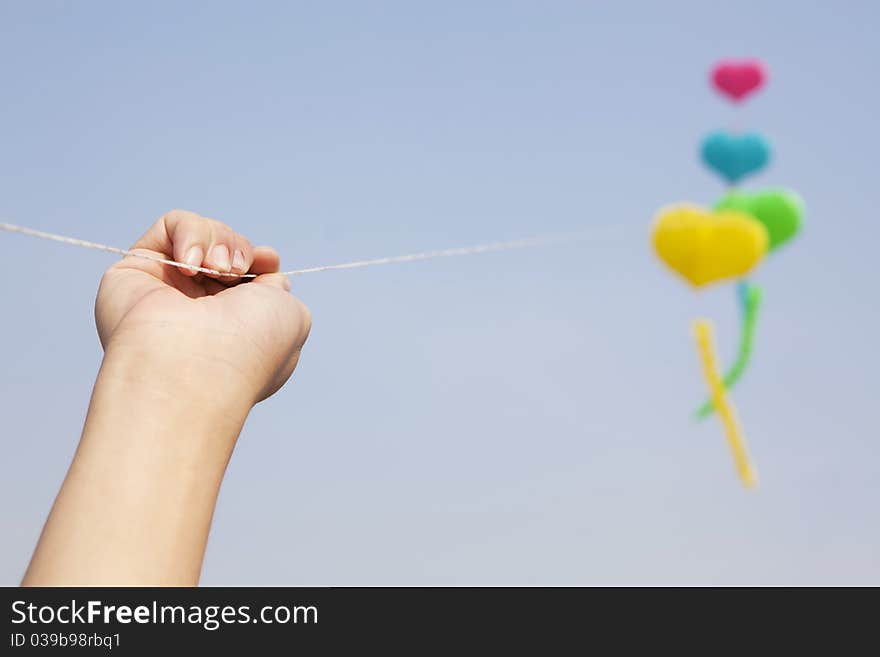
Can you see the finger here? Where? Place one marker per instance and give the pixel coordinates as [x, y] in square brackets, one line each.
[197, 241]
[242, 254]
[242, 257]
[265, 260]
[219, 252]
[180, 235]
[259, 260]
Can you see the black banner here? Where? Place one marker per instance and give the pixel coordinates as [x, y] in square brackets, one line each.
[322, 620]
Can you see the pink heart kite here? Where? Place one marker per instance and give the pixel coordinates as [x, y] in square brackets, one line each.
[738, 78]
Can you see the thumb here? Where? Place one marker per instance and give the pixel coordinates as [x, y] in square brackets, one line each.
[275, 280]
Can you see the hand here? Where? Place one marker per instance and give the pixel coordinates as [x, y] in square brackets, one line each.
[235, 337]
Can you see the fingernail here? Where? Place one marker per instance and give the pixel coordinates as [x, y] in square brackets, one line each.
[219, 257]
[286, 283]
[238, 260]
[194, 256]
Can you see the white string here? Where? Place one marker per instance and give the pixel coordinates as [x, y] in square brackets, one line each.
[11, 228]
[412, 257]
[445, 253]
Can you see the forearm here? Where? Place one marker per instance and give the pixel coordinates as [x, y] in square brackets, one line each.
[137, 502]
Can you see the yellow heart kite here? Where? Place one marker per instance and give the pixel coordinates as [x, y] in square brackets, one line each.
[705, 246]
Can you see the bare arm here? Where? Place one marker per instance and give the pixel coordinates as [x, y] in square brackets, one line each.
[185, 360]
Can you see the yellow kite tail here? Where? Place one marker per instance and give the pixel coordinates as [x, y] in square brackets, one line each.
[704, 335]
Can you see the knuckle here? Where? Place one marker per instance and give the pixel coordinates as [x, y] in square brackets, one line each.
[178, 214]
[243, 243]
[221, 232]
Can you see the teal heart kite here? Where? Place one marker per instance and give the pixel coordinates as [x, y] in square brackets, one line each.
[734, 157]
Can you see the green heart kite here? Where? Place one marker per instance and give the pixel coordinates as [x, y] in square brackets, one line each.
[780, 210]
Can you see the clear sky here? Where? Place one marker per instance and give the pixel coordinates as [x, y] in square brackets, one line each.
[511, 418]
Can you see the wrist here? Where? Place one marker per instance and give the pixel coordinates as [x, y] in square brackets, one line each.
[142, 405]
[182, 369]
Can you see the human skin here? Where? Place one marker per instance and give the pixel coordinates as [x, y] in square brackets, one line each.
[186, 357]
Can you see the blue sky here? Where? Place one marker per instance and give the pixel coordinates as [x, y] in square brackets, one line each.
[513, 418]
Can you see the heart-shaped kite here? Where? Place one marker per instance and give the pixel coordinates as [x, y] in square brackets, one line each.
[780, 210]
[734, 157]
[705, 246]
[737, 79]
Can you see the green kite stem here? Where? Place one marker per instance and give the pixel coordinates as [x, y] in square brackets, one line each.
[751, 304]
